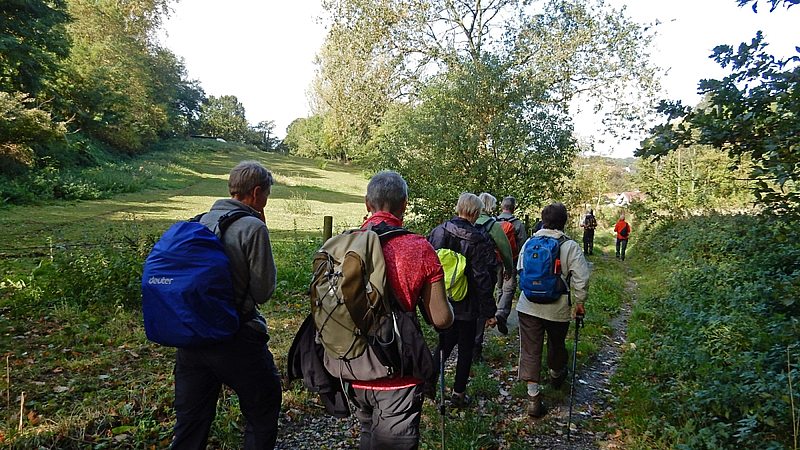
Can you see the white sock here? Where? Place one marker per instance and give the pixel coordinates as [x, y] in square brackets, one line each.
[533, 389]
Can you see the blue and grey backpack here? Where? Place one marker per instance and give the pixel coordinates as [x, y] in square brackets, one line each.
[540, 279]
[187, 289]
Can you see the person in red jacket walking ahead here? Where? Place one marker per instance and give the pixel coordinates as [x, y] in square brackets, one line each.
[622, 230]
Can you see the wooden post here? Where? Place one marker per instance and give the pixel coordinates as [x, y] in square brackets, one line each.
[327, 228]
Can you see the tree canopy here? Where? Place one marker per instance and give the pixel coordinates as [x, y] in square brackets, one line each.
[479, 90]
[33, 39]
[753, 114]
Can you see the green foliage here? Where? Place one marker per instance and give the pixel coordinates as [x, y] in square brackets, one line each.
[753, 113]
[104, 174]
[378, 54]
[223, 117]
[691, 180]
[304, 138]
[717, 315]
[23, 127]
[262, 136]
[102, 72]
[479, 131]
[33, 40]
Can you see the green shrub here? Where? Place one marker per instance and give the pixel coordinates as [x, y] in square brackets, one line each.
[717, 316]
[108, 273]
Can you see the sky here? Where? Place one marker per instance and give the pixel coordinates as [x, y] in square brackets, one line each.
[263, 51]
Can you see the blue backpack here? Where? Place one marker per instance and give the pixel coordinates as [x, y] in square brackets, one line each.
[540, 279]
[187, 289]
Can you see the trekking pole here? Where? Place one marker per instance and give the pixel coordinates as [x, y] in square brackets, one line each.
[578, 326]
[441, 383]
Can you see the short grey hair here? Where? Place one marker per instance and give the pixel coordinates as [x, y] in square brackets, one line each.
[489, 202]
[387, 190]
[247, 175]
[468, 205]
[509, 204]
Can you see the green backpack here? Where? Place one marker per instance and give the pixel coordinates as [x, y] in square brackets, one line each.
[455, 276]
[355, 318]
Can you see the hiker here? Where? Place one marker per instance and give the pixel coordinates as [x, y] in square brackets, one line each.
[389, 409]
[622, 231]
[588, 224]
[537, 319]
[504, 253]
[245, 363]
[507, 287]
[460, 235]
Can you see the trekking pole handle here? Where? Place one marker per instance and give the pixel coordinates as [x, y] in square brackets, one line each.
[579, 320]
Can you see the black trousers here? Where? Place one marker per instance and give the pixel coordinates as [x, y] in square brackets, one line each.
[622, 244]
[588, 241]
[462, 333]
[245, 365]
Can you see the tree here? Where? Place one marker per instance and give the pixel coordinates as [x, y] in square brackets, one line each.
[223, 117]
[304, 137]
[33, 40]
[23, 127]
[753, 114]
[476, 131]
[263, 135]
[380, 52]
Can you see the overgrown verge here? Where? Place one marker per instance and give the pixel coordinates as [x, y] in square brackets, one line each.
[79, 366]
[714, 336]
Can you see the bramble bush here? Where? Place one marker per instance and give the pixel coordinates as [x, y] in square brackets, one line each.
[713, 329]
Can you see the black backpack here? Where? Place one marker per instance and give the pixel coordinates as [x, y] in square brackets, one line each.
[590, 222]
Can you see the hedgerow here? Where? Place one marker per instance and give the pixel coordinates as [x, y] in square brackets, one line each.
[715, 333]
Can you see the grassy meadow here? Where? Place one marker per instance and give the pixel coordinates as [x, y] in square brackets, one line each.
[79, 372]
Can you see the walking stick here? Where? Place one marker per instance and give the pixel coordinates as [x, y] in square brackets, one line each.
[578, 326]
[441, 383]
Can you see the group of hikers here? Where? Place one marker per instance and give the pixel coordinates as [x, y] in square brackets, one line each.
[388, 406]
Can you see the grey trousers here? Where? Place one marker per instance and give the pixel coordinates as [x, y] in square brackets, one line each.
[505, 297]
[389, 419]
[507, 289]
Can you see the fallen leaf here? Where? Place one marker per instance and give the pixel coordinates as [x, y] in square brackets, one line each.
[58, 370]
[60, 389]
[33, 418]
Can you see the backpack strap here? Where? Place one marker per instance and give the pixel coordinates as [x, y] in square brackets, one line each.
[386, 232]
[228, 218]
[489, 224]
[564, 238]
[511, 219]
[225, 220]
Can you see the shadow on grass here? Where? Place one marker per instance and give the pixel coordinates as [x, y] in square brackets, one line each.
[313, 193]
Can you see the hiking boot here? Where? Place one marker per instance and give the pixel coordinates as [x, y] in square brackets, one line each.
[461, 400]
[536, 407]
[502, 325]
[558, 381]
